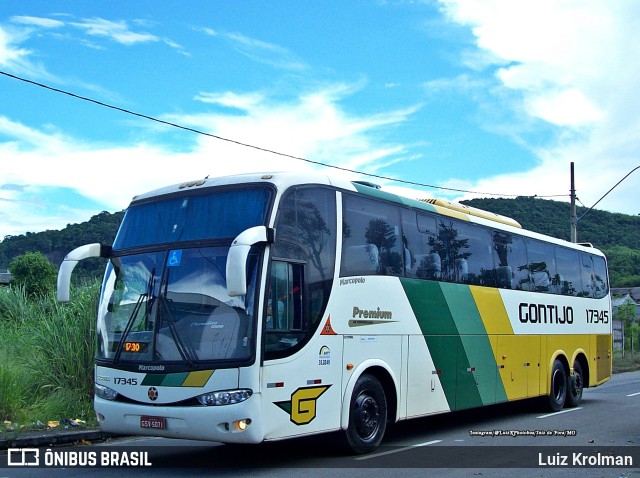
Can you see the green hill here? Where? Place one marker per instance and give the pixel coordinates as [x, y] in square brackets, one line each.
[55, 245]
[618, 235]
[602, 229]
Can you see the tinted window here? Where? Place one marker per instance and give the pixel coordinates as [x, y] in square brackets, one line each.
[372, 243]
[302, 268]
[541, 266]
[510, 257]
[588, 276]
[218, 214]
[478, 259]
[452, 245]
[569, 274]
[601, 279]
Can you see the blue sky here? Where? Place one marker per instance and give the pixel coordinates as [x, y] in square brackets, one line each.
[495, 96]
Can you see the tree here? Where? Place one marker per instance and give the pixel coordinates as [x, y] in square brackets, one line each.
[34, 272]
[627, 314]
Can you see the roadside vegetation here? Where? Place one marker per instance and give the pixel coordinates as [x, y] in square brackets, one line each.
[46, 356]
[626, 362]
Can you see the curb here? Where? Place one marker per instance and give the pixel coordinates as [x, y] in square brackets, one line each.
[38, 439]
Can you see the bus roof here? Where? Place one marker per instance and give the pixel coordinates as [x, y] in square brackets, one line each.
[285, 179]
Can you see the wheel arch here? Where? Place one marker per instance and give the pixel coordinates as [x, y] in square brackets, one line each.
[581, 357]
[388, 380]
[561, 356]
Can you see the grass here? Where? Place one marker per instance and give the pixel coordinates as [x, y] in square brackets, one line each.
[46, 358]
[627, 362]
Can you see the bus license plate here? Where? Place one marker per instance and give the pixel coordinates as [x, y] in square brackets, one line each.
[156, 423]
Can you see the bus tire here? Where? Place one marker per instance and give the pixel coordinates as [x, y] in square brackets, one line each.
[558, 393]
[576, 386]
[367, 415]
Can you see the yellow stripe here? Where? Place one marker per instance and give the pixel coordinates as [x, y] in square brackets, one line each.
[197, 379]
[451, 213]
[492, 310]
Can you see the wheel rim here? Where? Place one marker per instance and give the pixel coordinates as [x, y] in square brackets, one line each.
[577, 384]
[367, 416]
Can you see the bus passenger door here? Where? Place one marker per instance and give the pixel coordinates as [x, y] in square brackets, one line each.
[301, 373]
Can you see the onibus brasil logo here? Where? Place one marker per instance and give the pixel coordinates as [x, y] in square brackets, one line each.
[302, 406]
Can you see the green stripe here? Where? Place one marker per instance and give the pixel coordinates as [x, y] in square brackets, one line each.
[153, 378]
[458, 342]
[175, 379]
[380, 194]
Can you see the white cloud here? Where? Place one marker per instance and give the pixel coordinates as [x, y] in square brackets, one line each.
[264, 52]
[116, 31]
[10, 53]
[37, 21]
[230, 99]
[574, 65]
[313, 126]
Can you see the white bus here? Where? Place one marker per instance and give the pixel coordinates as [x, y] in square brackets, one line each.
[268, 306]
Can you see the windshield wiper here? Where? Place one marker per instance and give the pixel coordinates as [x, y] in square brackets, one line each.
[134, 313]
[128, 328]
[188, 356]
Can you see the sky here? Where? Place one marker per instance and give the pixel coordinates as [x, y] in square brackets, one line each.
[480, 96]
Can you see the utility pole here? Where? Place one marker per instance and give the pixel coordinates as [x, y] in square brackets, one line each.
[574, 216]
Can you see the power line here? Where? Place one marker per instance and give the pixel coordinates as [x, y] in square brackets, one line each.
[259, 148]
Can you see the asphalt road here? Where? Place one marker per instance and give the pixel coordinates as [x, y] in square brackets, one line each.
[492, 441]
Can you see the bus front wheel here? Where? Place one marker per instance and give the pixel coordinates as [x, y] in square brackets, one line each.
[367, 415]
[558, 393]
[574, 397]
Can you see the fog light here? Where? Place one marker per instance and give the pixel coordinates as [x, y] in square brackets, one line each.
[241, 425]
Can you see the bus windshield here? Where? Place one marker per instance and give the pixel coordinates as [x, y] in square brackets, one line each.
[164, 297]
[216, 215]
[172, 306]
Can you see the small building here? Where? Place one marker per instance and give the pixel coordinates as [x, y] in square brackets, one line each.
[621, 296]
[5, 277]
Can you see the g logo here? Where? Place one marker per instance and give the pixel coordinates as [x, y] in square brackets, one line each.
[302, 406]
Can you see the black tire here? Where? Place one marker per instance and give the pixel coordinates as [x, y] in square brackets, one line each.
[367, 415]
[558, 393]
[576, 386]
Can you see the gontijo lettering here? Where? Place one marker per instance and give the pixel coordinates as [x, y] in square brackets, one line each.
[545, 314]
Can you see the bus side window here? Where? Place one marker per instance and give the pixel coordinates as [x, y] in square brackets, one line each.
[601, 280]
[543, 275]
[284, 319]
[372, 242]
[588, 276]
[569, 271]
[510, 259]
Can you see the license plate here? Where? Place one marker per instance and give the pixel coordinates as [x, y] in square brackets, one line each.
[156, 423]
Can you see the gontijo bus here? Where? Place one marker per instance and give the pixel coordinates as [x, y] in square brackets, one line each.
[262, 307]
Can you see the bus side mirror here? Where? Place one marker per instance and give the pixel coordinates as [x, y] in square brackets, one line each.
[238, 254]
[70, 262]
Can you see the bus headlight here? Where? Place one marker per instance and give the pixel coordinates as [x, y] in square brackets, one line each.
[227, 397]
[105, 392]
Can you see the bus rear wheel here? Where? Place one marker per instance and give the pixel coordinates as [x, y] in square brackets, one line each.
[558, 393]
[367, 415]
[576, 386]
